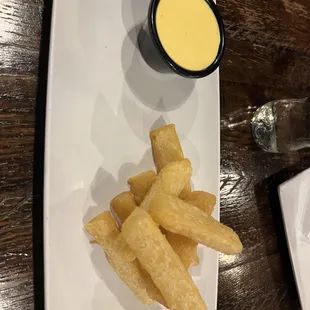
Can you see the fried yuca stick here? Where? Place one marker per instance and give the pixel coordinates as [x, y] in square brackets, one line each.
[105, 231]
[202, 200]
[161, 262]
[170, 180]
[123, 204]
[141, 184]
[186, 191]
[151, 289]
[184, 247]
[187, 248]
[179, 217]
[108, 236]
[166, 147]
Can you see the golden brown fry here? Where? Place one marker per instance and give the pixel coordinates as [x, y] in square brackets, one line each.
[161, 262]
[170, 180]
[152, 290]
[103, 229]
[132, 275]
[107, 235]
[123, 204]
[105, 232]
[120, 245]
[186, 249]
[141, 184]
[166, 147]
[186, 191]
[179, 217]
[202, 200]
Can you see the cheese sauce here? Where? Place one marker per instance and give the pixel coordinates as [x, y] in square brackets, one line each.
[189, 32]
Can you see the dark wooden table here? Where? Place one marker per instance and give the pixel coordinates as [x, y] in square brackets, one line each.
[267, 57]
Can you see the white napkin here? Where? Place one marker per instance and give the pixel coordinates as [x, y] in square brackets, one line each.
[295, 202]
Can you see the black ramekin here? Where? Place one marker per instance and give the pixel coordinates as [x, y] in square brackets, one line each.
[152, 29]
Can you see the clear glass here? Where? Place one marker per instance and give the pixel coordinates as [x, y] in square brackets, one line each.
[282, 126]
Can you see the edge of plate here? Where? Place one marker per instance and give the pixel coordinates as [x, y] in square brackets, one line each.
[47, 156]
[47, 159]
[281, 188]
[217, 73]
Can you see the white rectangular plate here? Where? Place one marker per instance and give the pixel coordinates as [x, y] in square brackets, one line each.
[102, 102]
[295, 203]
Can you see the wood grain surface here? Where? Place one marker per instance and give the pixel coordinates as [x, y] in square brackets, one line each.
[267, 57]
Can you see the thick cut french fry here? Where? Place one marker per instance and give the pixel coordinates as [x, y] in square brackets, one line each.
[186, 191]
[105, 231]
[132, 275]
[161, 262]
[186, 249]
[166, 147]
[154, 292]
[123, 204]
[170, 180]
[151, 289]
[108, 236]
[120, 245]
[141, 184]
[179, 217]
[202, 200]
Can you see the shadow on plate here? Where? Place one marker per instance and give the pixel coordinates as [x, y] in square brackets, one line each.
[111, 280]
[161, 92]
[134, 12]
[140, 121]
[196, 271]
[103, 189]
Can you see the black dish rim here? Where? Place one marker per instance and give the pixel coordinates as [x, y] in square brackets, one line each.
[169, 61]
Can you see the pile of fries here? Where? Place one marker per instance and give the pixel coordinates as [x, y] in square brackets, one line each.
[151, 233]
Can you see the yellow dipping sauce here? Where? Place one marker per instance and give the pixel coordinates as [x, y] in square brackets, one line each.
[189, 32]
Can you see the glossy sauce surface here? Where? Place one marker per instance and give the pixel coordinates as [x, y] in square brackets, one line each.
[189, 32]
